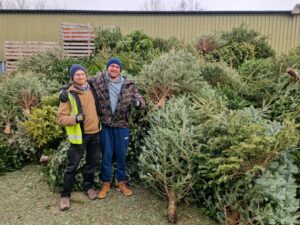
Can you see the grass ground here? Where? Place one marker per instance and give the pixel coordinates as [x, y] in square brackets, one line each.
[26, 199]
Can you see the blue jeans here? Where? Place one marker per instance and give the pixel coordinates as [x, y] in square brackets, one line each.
[114, 140]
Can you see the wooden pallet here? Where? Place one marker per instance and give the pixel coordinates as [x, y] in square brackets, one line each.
[77, 39]
[16, 50]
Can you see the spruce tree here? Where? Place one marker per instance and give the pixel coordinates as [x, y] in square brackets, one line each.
[166, 161]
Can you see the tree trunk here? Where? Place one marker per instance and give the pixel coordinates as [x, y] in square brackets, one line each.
[172, 217]
[161, 102]
[45, 159]
[7, 129]
[232, 217]
[27, 110]
[293, 73]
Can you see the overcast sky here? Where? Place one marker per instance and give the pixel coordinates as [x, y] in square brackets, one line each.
[168, 4]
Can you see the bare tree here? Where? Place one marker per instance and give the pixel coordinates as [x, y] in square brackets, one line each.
[188, 5]
[29, 4]
[183, 5]
[40, 4]
[16, 4]
[153, 5]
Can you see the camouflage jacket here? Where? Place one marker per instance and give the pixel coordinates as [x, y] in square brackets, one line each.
[127, 94]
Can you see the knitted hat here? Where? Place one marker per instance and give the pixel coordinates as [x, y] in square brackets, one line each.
[114, 61]
[74, 68]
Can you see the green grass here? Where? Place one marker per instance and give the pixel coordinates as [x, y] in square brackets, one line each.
[26, 199]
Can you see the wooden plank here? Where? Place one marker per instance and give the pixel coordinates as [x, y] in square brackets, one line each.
[75, 25]
[79, 51]
[77, 55]
[78, 47]
[79, 31]
[78, 36]
[25, 49]
[79, 43]
[32, 42]
[16, 50]
[77, 39]
[10, 63]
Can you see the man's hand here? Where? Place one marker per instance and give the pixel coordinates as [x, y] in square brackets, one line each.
[63, 95]
[80, 117]
[135, 103]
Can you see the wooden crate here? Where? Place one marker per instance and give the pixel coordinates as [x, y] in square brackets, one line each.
[16, 50]
[77, 39]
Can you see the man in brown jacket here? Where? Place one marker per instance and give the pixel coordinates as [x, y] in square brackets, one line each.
[115, 95]
[80, 116]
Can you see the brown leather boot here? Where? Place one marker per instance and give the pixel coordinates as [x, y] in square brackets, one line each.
[104, 189]
[122, 187]
[64, 203]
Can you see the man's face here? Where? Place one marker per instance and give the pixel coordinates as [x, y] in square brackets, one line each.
[113, 71]
[79, 78]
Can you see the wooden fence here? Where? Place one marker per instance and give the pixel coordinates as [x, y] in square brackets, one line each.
[16, 50]
[77, 40]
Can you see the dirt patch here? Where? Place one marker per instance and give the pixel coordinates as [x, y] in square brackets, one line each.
[26, 199]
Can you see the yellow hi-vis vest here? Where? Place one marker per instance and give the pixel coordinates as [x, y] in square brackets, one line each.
[74, 132]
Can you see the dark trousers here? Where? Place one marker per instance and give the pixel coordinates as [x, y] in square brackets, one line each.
[114, 140]
[91, 143]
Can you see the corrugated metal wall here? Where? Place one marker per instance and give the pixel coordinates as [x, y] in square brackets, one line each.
[282, 29]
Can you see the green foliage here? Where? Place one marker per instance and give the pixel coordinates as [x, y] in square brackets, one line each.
[236, 146]
[132, 62]
[19, 94]
[22, 143]
[52, 67]
[233, 54]
[10, 159]
[171, 74]
[40, 63]
[286, 99]
[196, 138]
[139, 126]
[242, 34]
[241, 44]
[167, 45]
[42, 126]
[134, 49]
[166, 159]
[226, 81]
[54, 171]
[296, 156]
[278, 190]
[292, 59]
[261, 78]
[207, 43]
[266, 199]
[139, 43]
[267, 85]
[241, 142]
[51, 100]
[107, 38]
